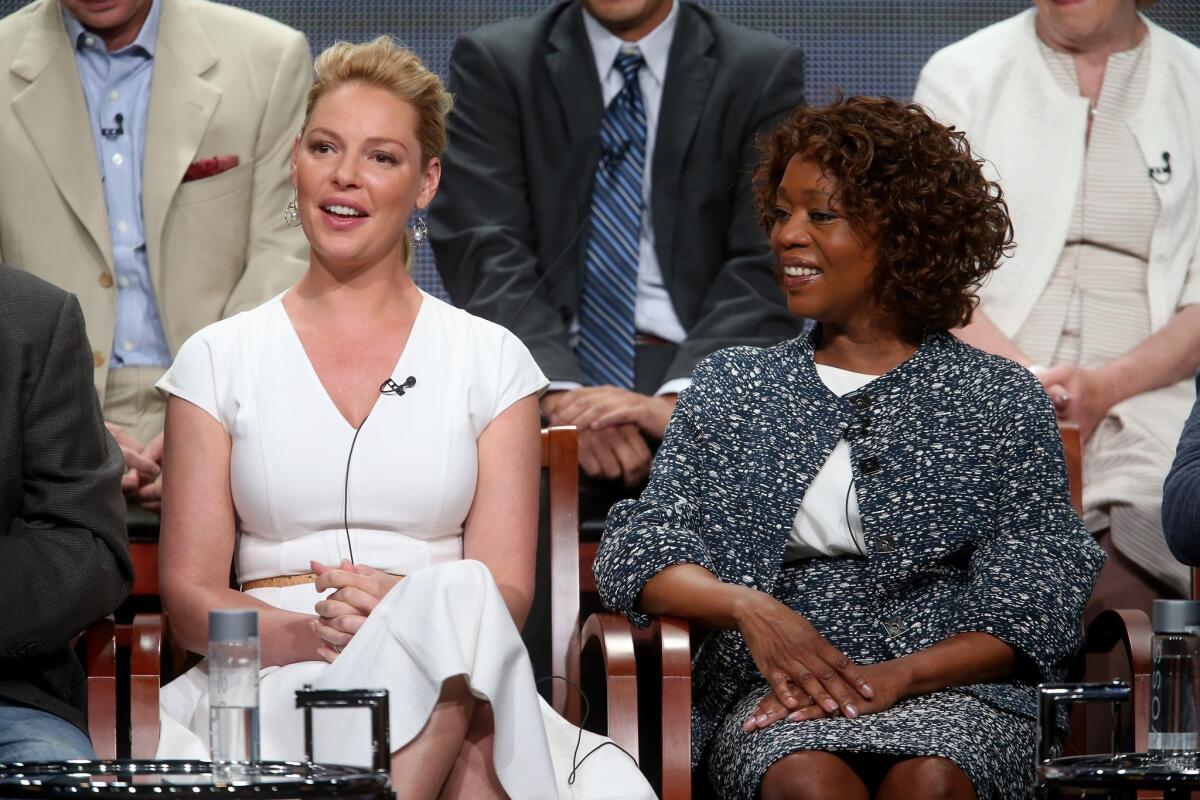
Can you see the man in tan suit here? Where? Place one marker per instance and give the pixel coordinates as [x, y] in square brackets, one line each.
[144, 149]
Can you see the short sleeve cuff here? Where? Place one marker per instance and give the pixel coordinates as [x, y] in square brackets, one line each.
[643, 552]
[192, 377]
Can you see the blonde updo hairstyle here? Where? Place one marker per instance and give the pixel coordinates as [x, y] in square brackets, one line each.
[387, 65]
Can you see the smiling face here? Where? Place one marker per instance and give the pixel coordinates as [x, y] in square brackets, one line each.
[824, 266]
[1086, 25]
[358, 173]
[117, 22]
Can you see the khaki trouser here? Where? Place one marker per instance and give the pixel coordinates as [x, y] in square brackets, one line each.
[131, 401]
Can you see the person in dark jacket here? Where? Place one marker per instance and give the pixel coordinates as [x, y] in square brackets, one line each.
[872, 519]
[1181, 493]
[62, 519]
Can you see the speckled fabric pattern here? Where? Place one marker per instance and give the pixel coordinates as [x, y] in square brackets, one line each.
[980, 738]
[960, 481]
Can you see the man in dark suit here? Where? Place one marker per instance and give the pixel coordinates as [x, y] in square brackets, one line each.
[596, 201]
[62, 519]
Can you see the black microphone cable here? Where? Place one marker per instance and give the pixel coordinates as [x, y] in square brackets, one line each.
[389, 386]
[576, 761]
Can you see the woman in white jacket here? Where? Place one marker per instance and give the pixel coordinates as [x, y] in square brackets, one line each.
[1089, 115]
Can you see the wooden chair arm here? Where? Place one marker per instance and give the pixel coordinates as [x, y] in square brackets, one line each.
[1132, 629]
[672, 640]
[101, 664]
[611, 638]
[145, 676]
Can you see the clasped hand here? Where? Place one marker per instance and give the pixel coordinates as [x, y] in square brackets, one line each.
[359, 589]
[142, 480]
[1080, 395]
[807, 674]
[613, 425]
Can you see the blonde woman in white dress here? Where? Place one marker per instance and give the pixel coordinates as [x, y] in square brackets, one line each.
[286, 458]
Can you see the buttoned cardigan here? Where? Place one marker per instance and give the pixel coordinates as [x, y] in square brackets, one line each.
[962, 487]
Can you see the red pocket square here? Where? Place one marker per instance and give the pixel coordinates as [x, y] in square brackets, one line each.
[207, 167]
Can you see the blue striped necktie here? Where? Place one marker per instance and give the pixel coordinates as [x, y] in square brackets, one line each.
[606, 308]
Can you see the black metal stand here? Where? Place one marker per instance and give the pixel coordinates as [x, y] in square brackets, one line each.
[309, 698]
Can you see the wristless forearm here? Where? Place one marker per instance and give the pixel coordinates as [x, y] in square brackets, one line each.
[1168, 356]
[961, 660]
[692, 592]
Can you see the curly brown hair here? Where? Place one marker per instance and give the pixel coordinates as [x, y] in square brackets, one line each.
[910, 185]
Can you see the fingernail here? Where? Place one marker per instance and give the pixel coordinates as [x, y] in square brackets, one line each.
[762, 719]
[850, 711]
[748, 725]
[795, 716]
[867, 691]
[829, 704]
[789, 701]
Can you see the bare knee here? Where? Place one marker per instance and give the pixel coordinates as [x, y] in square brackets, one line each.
[930, 777]
[815, 775]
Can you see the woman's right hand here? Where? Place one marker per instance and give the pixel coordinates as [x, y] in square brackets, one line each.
[790, 653]
[342, 613]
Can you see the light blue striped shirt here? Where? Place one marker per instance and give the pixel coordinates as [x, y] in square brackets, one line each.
[119, 83]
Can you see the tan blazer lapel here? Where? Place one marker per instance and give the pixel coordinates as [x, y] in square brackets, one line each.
[53, 111]
[181, 105]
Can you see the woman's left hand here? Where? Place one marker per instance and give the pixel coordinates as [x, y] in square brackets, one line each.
[889, 679]
[358, 590]
[1080, 395]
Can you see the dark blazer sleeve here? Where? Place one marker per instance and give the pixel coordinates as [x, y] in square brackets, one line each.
[66, 552]
[484, 237]
[1029, 580]
[1181, 493]
[743, 303]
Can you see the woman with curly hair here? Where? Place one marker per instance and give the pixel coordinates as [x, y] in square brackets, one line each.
[872, 519]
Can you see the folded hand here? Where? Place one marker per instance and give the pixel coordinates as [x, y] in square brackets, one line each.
[888, 680]
[799, 662]
[1080, 395]
[140, 469]
[359, 589]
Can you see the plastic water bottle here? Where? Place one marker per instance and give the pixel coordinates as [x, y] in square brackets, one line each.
[233, 693]
[1175, 677]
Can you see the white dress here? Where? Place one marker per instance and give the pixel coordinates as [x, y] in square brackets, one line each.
[412, 478]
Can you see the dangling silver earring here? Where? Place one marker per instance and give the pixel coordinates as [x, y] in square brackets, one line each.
[420, 231]
[291, 214]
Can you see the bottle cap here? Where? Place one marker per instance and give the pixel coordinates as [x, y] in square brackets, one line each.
[232, 624]
[1175, 616]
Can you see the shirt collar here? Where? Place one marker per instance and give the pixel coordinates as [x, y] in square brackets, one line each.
[655, 46]
[146, 39]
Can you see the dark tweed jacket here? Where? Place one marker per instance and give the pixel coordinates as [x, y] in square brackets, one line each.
[960, 480]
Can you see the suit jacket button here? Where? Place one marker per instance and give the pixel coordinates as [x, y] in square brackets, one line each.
[98, 358]
[106, 280]
[869, 465]
[885, 544]
[894, 627]
[861, 401]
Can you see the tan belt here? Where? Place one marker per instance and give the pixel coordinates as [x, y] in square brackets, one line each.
[286, 580]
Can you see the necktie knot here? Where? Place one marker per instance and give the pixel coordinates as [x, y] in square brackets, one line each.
[628, 63]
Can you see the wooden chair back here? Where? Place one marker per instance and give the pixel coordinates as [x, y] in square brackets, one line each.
[560, 517]
[1072, 444]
